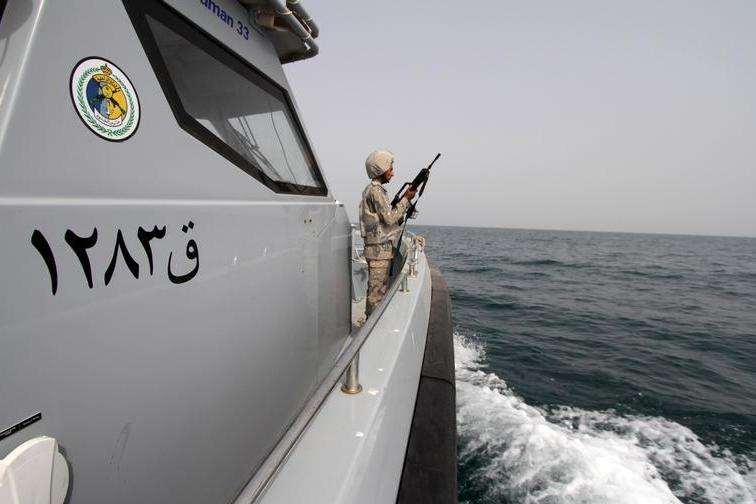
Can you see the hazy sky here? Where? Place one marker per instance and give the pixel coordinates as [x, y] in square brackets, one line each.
[594, 115]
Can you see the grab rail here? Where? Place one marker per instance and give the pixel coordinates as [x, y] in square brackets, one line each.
[259, 482]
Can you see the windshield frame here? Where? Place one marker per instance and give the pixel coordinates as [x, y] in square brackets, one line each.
[138, 12]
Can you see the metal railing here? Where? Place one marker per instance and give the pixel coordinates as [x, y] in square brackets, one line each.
[351, 383]
[346, 365]
[414, 258]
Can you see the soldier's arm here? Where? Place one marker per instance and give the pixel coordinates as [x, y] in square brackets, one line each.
[388, 215]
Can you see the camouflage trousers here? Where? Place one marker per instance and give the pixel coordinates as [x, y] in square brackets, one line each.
[378, 279]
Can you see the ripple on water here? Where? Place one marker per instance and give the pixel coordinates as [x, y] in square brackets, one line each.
[511, 451]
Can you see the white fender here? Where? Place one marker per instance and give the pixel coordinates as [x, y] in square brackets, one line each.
[34, 473]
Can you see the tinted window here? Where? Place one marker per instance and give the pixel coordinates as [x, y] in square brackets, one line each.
[227, 104]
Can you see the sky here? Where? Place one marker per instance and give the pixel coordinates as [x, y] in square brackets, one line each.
[631, 116]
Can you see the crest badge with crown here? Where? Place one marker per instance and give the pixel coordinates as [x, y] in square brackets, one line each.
[105, 99]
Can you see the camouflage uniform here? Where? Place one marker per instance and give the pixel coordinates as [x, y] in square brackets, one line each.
[379, 225]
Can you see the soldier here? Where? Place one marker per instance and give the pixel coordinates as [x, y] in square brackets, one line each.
[380, 225]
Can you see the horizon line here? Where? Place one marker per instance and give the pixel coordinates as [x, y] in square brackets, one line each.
[749, 237]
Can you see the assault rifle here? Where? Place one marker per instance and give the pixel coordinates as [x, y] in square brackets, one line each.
[418, 184]
[421, 179]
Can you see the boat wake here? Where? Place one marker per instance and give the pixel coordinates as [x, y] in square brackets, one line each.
[512, 452]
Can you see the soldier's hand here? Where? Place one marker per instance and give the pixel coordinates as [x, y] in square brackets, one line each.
[410, 193]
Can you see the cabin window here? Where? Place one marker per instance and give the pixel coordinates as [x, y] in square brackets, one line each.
[226, 103]
[2, 9]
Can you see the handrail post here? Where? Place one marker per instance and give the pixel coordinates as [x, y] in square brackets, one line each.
[404, 287]
[414, 259]
[351, 384]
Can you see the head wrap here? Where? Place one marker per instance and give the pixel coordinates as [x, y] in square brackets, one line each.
[378, 163]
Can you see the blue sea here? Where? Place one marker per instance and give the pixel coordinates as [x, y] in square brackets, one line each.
[602, 367]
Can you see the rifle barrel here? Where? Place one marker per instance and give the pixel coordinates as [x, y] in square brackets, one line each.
[434, 160]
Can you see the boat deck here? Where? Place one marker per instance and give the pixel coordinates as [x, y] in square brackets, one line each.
[355, 448]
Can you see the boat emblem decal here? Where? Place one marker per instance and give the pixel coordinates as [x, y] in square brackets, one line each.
[105, 99]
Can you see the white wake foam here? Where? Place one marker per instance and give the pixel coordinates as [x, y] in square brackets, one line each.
[525, 454]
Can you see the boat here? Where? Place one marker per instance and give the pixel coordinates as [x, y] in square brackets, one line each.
[183, 294]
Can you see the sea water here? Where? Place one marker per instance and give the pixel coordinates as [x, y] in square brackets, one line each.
[602, 367]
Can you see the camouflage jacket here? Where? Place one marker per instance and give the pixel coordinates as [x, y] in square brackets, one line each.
[379, 223]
